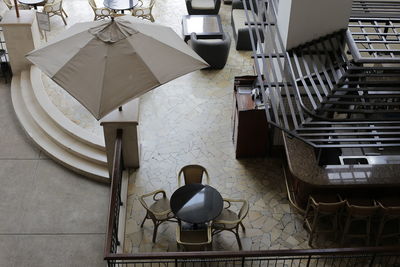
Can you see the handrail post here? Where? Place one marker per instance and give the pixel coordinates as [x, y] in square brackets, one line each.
[371, 263]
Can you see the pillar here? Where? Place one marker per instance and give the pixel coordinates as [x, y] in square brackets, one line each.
[301, 21]
[127, 119]
[21, 36]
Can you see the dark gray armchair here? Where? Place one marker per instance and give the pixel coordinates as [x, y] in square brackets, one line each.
[241, 31]
[214, 51]
[203, 7]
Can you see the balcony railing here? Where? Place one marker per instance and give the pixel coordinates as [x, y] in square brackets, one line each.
[367, 256]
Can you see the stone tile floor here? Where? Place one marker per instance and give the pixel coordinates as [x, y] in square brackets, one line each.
[188, 121]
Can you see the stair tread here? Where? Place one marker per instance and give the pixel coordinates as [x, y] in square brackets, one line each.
[63, 156]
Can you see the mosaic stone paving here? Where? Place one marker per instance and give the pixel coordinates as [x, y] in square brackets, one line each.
[188, 121]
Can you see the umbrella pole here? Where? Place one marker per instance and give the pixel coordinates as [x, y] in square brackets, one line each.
[16, 8]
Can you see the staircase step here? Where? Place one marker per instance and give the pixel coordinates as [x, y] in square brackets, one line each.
[58, 153]
[52, 129]
[58, 117]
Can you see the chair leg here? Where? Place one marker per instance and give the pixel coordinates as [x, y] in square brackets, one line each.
[345, 230]
[65, 13]
[145, 217]
[243, 228]
[238, 240]
[155, 232]
[368, 230]
[62, 16]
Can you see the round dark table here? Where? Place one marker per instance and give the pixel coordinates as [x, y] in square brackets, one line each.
[120, 5]
[33, 3]
[196, 203]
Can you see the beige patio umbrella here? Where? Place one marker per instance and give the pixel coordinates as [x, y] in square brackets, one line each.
[104, 64]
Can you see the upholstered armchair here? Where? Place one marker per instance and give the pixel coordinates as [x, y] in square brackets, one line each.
[203, 7]
[144, 12]
[241, 31]
[99, 12]
[214, 51]
[55, 8]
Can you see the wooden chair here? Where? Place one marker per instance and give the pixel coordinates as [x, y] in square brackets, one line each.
[159, 211]
[144, 12]
[229, 220]
[321, 212]
[358, 219]
[389, 220]
[100, 12]
[10, 5]
[193, 239]
[55, 8]
[193, 174]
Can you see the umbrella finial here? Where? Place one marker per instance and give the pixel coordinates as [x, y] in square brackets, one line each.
[113, 31]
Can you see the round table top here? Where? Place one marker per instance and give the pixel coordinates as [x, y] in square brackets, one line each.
[120, 4]
[31, 2]
[196, 203]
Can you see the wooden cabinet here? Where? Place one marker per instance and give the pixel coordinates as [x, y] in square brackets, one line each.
[250, 128]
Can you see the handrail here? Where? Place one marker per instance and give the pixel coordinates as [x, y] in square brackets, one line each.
[115, 198]
[253, 253]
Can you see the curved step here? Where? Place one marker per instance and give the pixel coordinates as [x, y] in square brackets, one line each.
[36, 133]
[57, 116]
[59, 136]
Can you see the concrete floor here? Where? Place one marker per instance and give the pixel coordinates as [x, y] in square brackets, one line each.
[49, 216]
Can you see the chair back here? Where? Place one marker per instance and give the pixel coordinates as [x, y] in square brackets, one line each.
[390, 211]
[193, 239]
[329, 208]
[8, 3]
[92, 4]
[192, 174]
[54, 6]
[152, 2]
[361, 211]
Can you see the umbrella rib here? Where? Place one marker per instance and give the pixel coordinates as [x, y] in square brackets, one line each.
[103, 78]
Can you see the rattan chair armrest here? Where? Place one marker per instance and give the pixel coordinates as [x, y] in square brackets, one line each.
[226, 221]
[154, 193]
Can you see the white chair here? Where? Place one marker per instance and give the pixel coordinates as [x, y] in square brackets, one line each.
[55, 8]
[10, 5]
[144, 12]
[100, 12]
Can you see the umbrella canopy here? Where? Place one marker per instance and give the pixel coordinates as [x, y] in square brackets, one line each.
[104, 64]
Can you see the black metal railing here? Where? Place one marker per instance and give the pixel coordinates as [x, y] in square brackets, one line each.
[112, 241]
[312, 257]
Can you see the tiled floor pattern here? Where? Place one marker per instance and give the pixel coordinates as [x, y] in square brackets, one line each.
[188, 121]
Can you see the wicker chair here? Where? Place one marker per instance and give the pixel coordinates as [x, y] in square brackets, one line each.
[320, 211]
[159, 211]
[193, 239]
[55, 8]
[389, 223]
[100, 12]
[229, 220]
[144, 12]
[193, 174]
[10, 5]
